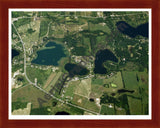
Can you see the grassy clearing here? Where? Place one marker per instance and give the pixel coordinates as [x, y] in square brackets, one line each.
[130, 80]
[105, 110]
[97, 81]
[21, 22]
[85, 103]
[29, 94]
[67, 108]
[138, 102]
[50, 78]
[43, 28]
[97, 91]
[94, 27]
[41, 75]
[97, 88]
[143, 83]
[54, 80]
[134, 106]
[71, 88]
[116, 79]
[101, 40]
[87, 42]
[17, 105]
[27, 38]
[84, 88]
[143, 78]
[120, 112]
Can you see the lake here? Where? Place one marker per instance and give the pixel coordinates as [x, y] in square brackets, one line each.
[127, 29]
[50, 55]
[14, 53]
[101, 57]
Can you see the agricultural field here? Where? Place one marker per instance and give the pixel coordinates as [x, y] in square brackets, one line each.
[39, 74]
[85, 103]
[52, 80]
[84, 88]
[106, 110]
[29, 94]
[80, 63]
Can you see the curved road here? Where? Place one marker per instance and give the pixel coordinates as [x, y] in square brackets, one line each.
[35, 84]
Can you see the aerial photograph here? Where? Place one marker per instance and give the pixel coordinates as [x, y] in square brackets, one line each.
[79, 62]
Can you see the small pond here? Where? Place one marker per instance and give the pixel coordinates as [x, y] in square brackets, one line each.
[62, 113]
[14, 53]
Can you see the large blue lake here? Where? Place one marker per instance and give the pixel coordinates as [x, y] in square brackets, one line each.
[127, 29]
[50, 55]
[101, 57]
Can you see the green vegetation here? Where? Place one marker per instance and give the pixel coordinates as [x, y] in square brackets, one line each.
[84, 87]
[20, 14]
[70, 89]
[29, 93]
[17, 67]
[115, 79]
[30, 30]
[80, 51]
[18, 104]
[105, 110]
[43, 28]
[101, 26]
[39, 74]
[97, 81]
[123, 90]
[21, 22]
[85, 103]
[41, 111]
[134, 106]
[130, 80]
[67, 108]
[54, 80]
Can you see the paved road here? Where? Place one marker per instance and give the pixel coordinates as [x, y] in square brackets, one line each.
[40, 87]
[24, 56]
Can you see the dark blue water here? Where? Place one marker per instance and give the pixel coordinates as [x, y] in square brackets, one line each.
[125, 28]
[101, 57]
[62, 113]
[50, 56]
[14, 53]
[75, 69]
[50, 44]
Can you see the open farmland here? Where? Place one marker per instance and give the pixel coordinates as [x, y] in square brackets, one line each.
[84, 88]
[106, 110]
[100, 26]
[30, 39]
[135, 106]
[115, 79]
[85, 103]
[50, 78]
[80, 62]
[130, 80]
[40, 74]
[70, 88]
[30, 94]
[53, 81]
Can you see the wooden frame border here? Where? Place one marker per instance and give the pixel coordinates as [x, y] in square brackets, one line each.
[6, 4]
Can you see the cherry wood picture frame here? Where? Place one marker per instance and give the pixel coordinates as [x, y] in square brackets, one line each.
[4, 54]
